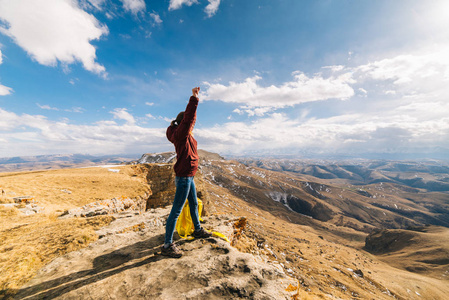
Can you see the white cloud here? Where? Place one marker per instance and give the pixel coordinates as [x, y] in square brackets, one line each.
[346, 134]
[47, 107]
[176, 4]
[412, 119]
[421, 69]
[134, 6]
[149, 103]
[110, 15]
[363, 90]
[34, 134]
[409, 127]
[53, 30]
[334, 68]
[4, 90]
[97, 3]
[301, 89]
[123, 114]
[150, 116]
[212, 8]
[266, 134]
[9, 120]
[76, 109]
[125, 36]
[73, 109]
[156, 19]
[253, 111]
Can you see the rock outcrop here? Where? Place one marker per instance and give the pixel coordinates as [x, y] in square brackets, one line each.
[157, 158]
[161, 180]
[107, 207]
[125, 263]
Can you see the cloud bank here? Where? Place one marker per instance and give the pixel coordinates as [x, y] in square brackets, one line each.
[300, 90]
[405, 109]
[346, 134]
[44, 136]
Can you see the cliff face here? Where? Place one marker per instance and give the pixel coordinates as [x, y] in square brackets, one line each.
[161, 180]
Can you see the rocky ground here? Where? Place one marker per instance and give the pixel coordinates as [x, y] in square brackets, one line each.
[125, 263]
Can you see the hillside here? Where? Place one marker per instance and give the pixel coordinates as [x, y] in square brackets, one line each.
[431, 175]
[376, 192]
[423, 250]
[303, 230]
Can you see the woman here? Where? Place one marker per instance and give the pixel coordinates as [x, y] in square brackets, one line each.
[180, 134]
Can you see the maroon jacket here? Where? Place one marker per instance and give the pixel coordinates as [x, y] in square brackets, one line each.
[186, 146]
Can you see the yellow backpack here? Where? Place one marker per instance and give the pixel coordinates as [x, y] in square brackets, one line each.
[184, 225]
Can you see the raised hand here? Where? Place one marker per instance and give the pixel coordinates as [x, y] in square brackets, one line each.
[195, 91]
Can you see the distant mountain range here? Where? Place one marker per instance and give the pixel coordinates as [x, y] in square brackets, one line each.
[432, 175]
[59, 161]
[360, 194]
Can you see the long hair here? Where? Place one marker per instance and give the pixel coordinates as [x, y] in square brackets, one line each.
[178, 119]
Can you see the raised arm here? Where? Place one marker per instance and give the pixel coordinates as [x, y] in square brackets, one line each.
[189, 119]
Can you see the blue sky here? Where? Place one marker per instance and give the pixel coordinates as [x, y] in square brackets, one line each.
[277, 77]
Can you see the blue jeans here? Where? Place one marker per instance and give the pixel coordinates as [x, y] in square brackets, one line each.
[185, 188]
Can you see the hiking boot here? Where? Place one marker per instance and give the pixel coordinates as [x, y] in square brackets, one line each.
[171, 251]
[202, 233]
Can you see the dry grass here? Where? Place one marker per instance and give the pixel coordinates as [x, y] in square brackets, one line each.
[68, 188]
[27, 243]
[425, 251]
[26, 248]
[8, 212]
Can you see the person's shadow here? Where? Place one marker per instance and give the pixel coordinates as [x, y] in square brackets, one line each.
[104, 266]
